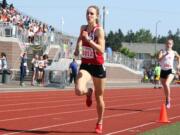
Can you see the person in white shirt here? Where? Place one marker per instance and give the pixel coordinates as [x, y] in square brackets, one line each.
[166, 60]
[1, 64]
[4, 61]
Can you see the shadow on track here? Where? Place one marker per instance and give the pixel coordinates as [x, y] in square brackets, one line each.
[44, 132]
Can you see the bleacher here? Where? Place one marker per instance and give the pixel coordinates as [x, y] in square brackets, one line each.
[15, 31]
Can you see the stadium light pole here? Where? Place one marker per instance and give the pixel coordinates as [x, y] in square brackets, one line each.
[156, 35]
[104, 8]
[62, 24]
[105, 12]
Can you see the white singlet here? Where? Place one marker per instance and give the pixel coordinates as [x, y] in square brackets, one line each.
[168, 60]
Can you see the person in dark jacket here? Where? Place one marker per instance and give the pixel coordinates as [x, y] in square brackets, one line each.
[73, 67]
[23, 67]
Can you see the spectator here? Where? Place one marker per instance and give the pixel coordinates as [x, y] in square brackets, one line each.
[4, 16]
[145, 78]
[34, 63]
[73, 68]
[23, 67]
[40, 70]
[3, 66]
[4, 61]
[4, 4]
[150, 73]
[157, 72]
[12, 10]
[26, 22]
[30, 35]
[46, 62]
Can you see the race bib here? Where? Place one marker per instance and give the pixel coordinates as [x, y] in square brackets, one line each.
[167, 65]
[87, 52]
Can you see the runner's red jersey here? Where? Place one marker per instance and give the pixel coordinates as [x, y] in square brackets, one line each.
[90, 55]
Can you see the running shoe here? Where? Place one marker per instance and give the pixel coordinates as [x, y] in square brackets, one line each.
[22, 84]
[32, 83]
[98, 128]
[168, 104]
[89, 97]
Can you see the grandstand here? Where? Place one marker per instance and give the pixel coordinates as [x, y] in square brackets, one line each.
[20, 32]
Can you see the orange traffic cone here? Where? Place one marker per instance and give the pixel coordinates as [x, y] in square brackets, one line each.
[163, 115]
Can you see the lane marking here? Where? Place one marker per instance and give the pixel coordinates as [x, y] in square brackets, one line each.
[36, 108]
[67, 112]
[142, 125]
[81, 121]
[72, 100]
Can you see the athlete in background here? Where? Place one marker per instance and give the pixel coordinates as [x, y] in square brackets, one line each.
[166, 59]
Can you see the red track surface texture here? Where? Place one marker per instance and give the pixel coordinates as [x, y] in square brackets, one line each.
[128, 112]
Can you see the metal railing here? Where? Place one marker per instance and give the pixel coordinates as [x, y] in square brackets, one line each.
[119, 58]
[66, 51]
[10, 30]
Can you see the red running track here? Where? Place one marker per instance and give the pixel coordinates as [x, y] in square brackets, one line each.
[128, 112]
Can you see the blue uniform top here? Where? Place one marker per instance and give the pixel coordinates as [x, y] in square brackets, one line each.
[74, 67]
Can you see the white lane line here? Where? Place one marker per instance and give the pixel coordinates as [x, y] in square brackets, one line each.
[120, 131]
[41, 102]
[45, 102]
[34, 95]
[36, 108]
[139, 126]
[75, 122]
[58, 94]
[92, 119]
[67, 112]
[30, 90]
[30, 98]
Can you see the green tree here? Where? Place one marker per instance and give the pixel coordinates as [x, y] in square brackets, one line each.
[124, 51]
[170, 34]
[176, 38]
[162, 39]
[130, 37]
[127, 52]
[143, 36]
[114, 40]
[131, 55]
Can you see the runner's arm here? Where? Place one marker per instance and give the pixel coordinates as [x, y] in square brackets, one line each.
[178, 59]
[161, 55]
[100, 45]
[79, 41]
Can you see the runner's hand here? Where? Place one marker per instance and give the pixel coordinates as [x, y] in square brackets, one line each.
[85, 35]
[178, 67]
[76, 52]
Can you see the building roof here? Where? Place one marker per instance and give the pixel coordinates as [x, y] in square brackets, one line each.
[148, 48]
